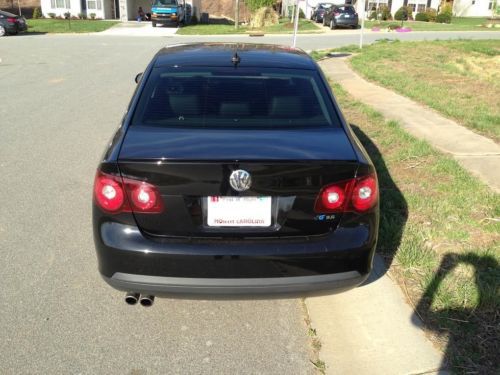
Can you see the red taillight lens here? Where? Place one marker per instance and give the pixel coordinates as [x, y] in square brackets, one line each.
[144, 197]
[336, 14]
[11, 20]
[333, 198]
[116, 194]
[357, 194]
[365, 194]
[108, 192]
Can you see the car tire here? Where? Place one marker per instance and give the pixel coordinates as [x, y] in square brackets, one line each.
[332, 25]
[324, 21]
[153, 24]
[2, 31]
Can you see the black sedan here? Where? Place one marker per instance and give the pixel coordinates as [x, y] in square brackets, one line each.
[319, 11]
[234, 173]
[341, 16]
[10, 24]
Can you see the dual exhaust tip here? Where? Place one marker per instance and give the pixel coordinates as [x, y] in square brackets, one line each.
[146, 300]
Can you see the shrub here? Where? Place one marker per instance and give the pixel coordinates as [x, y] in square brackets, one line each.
[385, 13]
[422, 17]
[264, 17]
[431, 14]
[401, 14]
[443, 18]
[82, 16]
[37, 13]
[301, 13]
[193, 20]
[67, 15]
[254, 5]
[92, 16]
[51, 15]
[373, 15]
[445, 15]
[393, 26]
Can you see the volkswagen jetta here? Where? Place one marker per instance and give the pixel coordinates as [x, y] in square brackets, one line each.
[232, 173]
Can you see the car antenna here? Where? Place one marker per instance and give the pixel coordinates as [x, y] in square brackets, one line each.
[236, 59]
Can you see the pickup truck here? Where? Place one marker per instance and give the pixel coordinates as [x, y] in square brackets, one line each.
[168, 12]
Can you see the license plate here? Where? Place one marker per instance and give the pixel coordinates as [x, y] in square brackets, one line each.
[347, 16]
[239, 211]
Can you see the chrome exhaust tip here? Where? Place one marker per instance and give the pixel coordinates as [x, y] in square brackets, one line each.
[147, 300]
[131, 298]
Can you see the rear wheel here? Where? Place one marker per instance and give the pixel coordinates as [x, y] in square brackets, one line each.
[332, 25]
[2, 30]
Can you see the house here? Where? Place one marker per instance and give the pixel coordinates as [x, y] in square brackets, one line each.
[125, 10]
[473, 8]
[461, 8]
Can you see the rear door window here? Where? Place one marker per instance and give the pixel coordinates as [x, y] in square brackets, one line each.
[234, 98]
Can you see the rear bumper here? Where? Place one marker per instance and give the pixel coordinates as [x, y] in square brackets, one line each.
[164, 18]
[158, 285]
[347, 22]
[131, 261]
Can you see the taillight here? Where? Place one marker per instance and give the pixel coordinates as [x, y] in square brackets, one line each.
[144, 197]
[336, 14]
[115, 194]
[11, 20]
[108, 192]
[364, 194]
[357, 194]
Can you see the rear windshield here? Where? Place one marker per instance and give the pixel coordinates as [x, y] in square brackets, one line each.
[347, 9]
[234, 98]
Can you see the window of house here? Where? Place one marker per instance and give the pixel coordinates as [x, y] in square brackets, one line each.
[421, 8]
[490, 5]
[94, 4]
[413, 7]
[473, 2]
[60, 4]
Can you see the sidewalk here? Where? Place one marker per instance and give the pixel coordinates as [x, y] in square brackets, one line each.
[476, 153]
[371, 330]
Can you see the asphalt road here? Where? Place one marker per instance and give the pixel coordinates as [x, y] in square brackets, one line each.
[61, 98]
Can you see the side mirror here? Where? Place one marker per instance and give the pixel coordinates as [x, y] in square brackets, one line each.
[138, 77]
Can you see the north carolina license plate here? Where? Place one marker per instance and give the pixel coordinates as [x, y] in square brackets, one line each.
[239, 211]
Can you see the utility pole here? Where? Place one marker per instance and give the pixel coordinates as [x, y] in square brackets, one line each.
[237, 15]
[361, 11]
[296, 24]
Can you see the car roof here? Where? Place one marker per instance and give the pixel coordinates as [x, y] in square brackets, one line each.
[221, 54]
[7, 14]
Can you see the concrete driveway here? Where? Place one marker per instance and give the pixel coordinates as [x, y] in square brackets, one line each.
[134, 28]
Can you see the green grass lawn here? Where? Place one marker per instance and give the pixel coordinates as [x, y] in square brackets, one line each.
[460, 79]
[457, 24]
[63, 26]
[284, 27]
[440, 232]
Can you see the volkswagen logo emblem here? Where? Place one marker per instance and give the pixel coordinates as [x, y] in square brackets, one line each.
[240, 180]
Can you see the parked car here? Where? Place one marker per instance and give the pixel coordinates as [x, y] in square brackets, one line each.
[341, 16]
[234, 172]
[319, 11]
[10, 24]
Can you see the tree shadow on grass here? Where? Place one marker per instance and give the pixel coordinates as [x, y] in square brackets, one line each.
[473, 333]
[393, 206]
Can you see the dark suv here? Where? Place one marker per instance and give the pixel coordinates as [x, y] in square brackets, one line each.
[319, 11]
[341, 16]
[234, 172]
